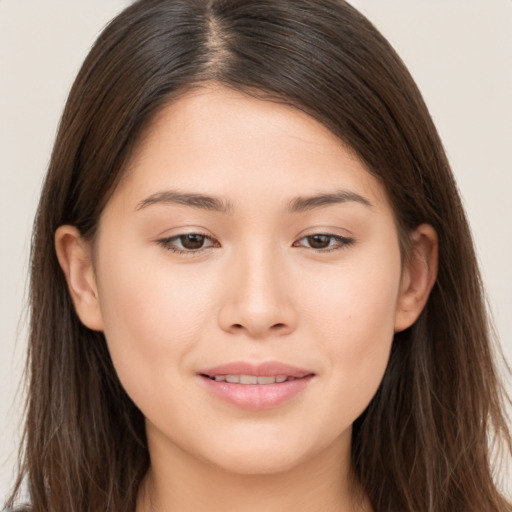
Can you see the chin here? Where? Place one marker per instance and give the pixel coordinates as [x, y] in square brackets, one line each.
[263, 455]
[258, 462]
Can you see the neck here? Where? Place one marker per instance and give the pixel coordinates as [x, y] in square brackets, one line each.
[186, 484]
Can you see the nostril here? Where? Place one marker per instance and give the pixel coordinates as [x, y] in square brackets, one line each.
[275, 327]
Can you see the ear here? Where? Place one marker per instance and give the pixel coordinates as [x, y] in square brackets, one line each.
[75, 258]
[419, 274]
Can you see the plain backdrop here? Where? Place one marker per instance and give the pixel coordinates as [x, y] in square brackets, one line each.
[459, 52]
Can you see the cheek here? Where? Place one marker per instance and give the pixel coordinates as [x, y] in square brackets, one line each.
[355, 312]
[152, 320]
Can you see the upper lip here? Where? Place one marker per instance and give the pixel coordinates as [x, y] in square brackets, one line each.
[266, 369]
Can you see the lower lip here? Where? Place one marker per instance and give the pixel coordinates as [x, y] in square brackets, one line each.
[257, 397]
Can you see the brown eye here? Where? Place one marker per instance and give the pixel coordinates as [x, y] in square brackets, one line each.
[192, 241]
[188, 244]
[319, 241]
[324, 242]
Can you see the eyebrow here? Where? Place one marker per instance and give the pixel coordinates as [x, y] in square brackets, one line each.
[200, 201]
[302, 204]
[210, 203]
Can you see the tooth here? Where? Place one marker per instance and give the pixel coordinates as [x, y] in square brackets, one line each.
[251, 379]
[248, 379]
[266, 380]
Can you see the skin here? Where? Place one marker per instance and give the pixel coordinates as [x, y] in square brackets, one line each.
[259, 290]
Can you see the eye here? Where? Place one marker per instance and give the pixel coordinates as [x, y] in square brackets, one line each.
[188, 243]
[324, 242]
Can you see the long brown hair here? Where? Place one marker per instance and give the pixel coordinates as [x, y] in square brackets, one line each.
[423, 443]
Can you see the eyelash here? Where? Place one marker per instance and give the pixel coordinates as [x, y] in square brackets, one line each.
[170, 244]
[341, 242]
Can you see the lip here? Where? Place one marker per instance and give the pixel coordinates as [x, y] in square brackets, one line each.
[257, 397]
[266, 369]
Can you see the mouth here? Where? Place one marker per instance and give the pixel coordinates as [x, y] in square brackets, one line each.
[257, 386]
[241, 372]
[250, 379]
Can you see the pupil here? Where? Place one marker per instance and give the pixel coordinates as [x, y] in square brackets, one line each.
[319, 241]
[192, 241]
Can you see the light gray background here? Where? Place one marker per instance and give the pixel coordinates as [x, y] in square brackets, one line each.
[459, 52]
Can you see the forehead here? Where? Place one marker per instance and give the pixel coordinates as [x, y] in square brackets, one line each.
[224, 142]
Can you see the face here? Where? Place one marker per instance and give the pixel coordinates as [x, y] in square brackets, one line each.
[248, 279]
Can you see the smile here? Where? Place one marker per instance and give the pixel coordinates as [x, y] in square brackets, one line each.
[250, 379]
[256, 387]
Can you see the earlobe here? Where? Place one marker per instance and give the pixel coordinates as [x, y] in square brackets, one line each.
[75, 258]
[419, 274]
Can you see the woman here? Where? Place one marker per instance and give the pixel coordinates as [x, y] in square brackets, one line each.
[253, 284]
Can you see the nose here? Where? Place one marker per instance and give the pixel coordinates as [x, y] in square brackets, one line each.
[258, 298]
